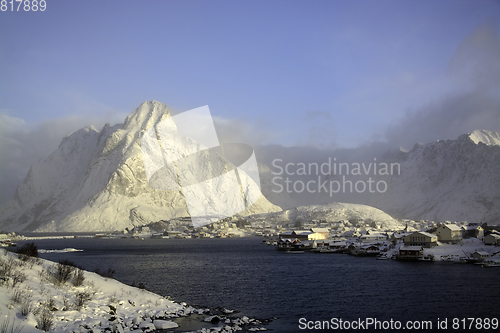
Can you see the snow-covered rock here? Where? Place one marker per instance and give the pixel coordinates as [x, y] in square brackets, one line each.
[29, 292]
[486, 137]
[96, 181]
[164, 324]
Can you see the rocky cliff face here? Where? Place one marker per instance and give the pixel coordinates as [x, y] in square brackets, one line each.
[456, 180]
[96, 181]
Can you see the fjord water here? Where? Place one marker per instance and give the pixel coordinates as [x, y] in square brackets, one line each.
[246, 275]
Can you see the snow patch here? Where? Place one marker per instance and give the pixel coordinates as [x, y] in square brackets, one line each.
[66, 250]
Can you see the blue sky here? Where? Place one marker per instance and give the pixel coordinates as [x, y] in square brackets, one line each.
[310, 73]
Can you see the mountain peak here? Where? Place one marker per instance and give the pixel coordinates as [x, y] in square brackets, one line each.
[96, 181]
[146, 115]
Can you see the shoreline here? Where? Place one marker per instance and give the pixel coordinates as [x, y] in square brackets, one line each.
[99, 303]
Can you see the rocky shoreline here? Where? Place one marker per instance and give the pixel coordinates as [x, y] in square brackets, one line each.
[33, 296]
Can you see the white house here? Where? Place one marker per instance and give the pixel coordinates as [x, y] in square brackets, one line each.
[449, 233]
[321, 232]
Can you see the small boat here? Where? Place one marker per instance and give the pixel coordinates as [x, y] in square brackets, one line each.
[460, 260]
[489, 264]
[382, 257]
[294, 252]
[8, 243]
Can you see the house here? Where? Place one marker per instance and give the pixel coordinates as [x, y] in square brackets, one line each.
[398, 236]
[322, 233]
[371, 250]
[287, 244]
[337, 245]
[449, 233]
[473, 231]
[410, 252]
[286, 234]
[372, 238]
[480, 255]
[350, 234]
[301, 234]
[420, 238]
[171, 233]
[356, 250]
[492, 239]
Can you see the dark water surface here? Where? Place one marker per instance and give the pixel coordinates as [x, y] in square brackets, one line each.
[246, 275]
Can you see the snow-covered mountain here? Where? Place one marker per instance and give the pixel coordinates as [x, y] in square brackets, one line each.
[456, 180]
[96, 181]
[346, 214]
[338, 211]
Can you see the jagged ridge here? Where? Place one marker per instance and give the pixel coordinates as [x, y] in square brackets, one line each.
[456, 180]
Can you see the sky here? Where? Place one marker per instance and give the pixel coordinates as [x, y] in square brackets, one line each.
[311, 75]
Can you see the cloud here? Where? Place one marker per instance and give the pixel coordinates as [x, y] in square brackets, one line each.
[320, 129]
[474, 69]
[477, 58]
[23, 144]
[447, 119]
[467, 98]
[242, 131]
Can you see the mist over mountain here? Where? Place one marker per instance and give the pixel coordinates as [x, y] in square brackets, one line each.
[96, 181]
[456, 180]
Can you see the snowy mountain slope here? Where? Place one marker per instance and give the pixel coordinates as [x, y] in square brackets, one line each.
[333, 212]
[95, 181]
[337, 211]
[457, 180]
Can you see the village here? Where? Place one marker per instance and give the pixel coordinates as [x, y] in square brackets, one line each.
[458, 242]
[450, 242]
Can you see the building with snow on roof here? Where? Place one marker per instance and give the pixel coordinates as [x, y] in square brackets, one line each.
[410, 252]
[373, 238]
[420, 238]
[311, 234]
[480, 255]
[492, 239]
[473, 230]
[449, 233]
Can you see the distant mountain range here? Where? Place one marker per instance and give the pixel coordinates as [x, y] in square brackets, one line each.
[96, 181]
[447, 180]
